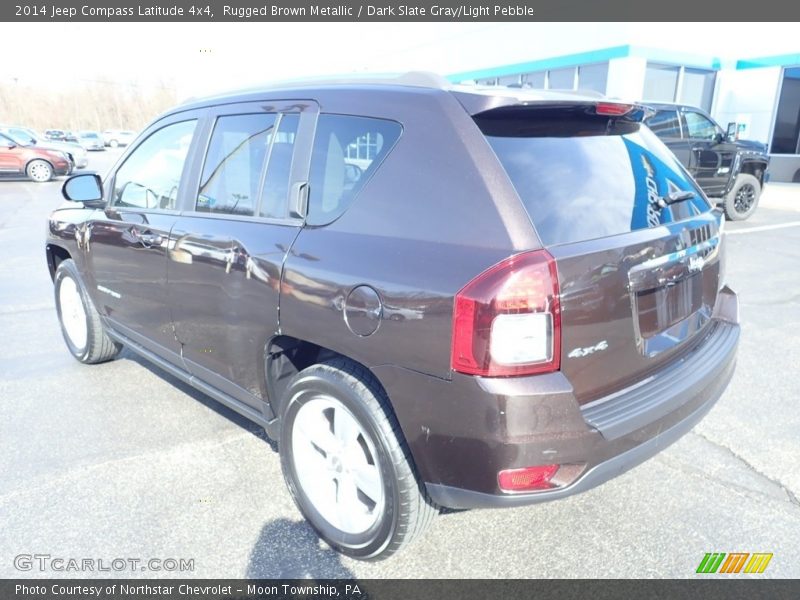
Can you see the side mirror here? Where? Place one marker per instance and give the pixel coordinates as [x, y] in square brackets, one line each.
[719, 137]
[86, 188]
[732, 130]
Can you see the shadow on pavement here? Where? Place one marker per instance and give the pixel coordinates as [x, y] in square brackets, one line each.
[291, 550]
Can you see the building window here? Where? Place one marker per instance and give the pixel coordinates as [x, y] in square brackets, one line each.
[561, 79]
[508, 80]
[697, 88]
[593, 77]
[785, 136]
[534, 80]
[660, 82]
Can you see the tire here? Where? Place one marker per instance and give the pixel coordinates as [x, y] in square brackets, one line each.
[39, 171]
[388, 507]
[80, 322]
[113, 143]
[742, 200]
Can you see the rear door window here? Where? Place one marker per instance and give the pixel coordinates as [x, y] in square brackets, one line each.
[232, 170]
[583, 177]
[274, 197]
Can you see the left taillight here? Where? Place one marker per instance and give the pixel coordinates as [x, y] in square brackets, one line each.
[507, 321]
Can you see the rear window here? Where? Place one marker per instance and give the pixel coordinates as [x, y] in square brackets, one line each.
[583, 177]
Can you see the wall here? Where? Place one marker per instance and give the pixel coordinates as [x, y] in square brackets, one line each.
[748, 96]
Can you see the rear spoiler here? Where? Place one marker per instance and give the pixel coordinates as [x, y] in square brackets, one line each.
[479, 104]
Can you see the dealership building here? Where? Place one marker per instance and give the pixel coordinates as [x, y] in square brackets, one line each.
[760, 95]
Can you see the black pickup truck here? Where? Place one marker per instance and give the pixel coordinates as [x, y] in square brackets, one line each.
[730, 171]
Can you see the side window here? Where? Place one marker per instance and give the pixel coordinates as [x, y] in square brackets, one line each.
[698, 126]
[232, 170]
[150, 176]
[347, 150]
[5, 142]
[274, 198]
[665, 124]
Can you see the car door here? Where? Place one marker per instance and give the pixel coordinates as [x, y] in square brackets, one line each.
[127, 242]
[666, 124]
[710, 158]
[227, 248]
[10, 156]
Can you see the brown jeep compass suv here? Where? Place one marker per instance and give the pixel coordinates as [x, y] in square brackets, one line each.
[430, 295]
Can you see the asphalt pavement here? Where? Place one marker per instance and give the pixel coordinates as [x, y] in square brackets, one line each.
[121, 461]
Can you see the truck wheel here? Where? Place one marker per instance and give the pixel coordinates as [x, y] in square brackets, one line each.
[742, 200]
[347, 465]
[80, 322]
[39, 171]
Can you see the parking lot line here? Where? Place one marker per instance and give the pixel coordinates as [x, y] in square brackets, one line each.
[764, 228]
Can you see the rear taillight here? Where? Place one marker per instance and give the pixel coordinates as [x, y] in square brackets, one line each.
[507, 321]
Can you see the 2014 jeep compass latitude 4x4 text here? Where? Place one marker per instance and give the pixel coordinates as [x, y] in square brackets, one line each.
[430, 295]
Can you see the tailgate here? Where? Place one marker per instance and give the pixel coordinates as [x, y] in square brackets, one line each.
[637, 246]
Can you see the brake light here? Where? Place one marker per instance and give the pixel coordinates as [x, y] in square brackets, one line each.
[613, 109]
[507, 321]
[527, 479]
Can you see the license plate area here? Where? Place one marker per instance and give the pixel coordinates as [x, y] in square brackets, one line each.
[659, 309]
[672, 296]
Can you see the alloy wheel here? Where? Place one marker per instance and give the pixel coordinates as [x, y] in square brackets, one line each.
[337, 465]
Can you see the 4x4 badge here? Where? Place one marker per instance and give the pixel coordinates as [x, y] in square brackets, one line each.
[580, 352]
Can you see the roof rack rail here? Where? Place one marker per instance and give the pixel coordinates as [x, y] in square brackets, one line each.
[424, 79]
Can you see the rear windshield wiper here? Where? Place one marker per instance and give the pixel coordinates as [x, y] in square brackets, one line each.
[673, 197]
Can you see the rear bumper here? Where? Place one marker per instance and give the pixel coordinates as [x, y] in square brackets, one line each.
[487, 425]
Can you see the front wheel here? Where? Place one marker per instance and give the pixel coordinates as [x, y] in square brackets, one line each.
[39, 171]
[742, 200]
[80, 322]
[346, 463]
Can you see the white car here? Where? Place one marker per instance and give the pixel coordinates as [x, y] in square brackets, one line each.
[75, 152]
[118, 137]
[91, 140]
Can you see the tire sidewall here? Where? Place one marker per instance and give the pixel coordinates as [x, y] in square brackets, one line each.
[374, 540]
[67, 269]
[730, 199]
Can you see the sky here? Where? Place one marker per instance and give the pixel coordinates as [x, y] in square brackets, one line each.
[202, 58]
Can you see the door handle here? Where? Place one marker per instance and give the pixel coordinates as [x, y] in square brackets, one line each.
[148, 238]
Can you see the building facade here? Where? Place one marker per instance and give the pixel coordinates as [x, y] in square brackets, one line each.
[760, 95]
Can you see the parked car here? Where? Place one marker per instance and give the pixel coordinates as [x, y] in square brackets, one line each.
[75, 152]
[118, 137]
[732, 172]
[91, 140]
[59, 135]
[19, 159]
[560, 275]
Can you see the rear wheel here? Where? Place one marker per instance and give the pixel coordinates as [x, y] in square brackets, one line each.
[113, 143]
[346, 463]
[39, 171]
[742, 200]
[80, 322]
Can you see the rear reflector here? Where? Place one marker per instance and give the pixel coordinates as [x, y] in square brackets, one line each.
[613, 109]
[527, 479]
